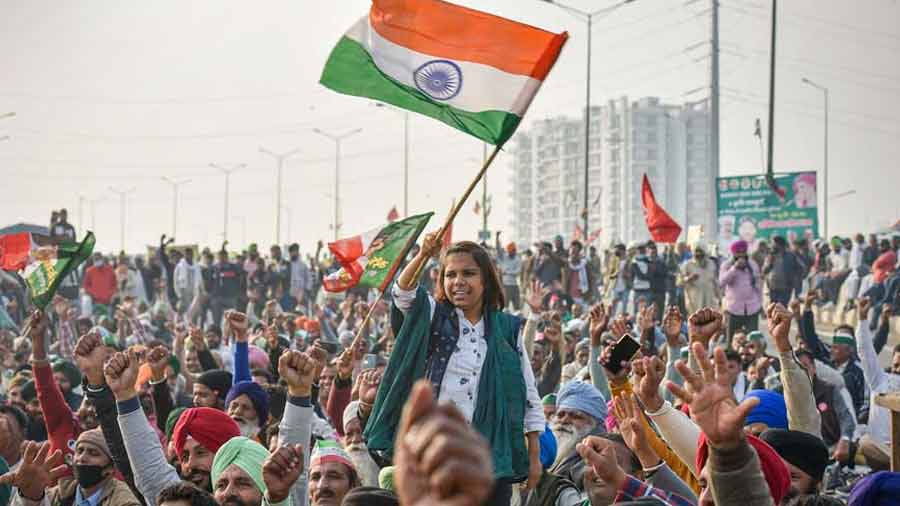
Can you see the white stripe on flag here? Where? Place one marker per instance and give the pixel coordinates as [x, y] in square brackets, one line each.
[484, 88]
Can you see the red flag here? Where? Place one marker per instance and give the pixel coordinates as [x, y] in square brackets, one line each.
[594, 235]
[393, 215]
[14, 251]
[578, 234]
[447, 240]
[662, 227]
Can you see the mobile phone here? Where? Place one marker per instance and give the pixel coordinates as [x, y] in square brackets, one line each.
[622, 351]
[369, 361]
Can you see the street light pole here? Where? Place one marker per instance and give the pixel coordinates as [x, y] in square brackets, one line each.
[405, 154]
[290, 220]
[122, 194]
[337, 173]
[824, 91]
[227, 171]
[589, 18]
[94, 203]
[279, 158]
[175, 184]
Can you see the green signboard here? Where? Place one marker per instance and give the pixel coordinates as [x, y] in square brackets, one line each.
[750, 210]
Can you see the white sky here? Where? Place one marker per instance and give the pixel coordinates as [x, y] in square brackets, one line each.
[111, 93]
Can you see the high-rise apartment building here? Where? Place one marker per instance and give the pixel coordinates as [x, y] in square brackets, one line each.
[670, 143]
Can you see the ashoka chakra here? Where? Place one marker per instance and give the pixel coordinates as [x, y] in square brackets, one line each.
[439, 79]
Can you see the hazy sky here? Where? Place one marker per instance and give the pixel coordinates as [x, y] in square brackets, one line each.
[112, 93]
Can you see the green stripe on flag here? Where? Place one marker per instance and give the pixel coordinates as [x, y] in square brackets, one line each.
[351, 70]
[44, 276]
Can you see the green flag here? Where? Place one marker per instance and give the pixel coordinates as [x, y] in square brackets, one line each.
[52, 265]
[371, 259]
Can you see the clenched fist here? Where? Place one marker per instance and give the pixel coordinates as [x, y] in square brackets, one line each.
[121, 372]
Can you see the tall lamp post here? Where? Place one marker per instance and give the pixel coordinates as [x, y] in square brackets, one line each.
[279, 158]
[405, 155]
[122, 195]
[175, 183]
[337, 173]
[227, 171]
[824, 91]
[588, 17]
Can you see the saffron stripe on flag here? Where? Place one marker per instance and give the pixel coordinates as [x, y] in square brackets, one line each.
[451, 31]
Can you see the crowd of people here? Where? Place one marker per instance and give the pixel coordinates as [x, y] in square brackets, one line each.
[483, 376]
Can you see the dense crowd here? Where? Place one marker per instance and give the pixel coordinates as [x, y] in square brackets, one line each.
[483, 376]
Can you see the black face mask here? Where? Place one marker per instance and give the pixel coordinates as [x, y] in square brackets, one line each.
[88, 476]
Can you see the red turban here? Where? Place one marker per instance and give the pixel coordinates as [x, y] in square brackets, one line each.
[774, 469]
[210, 427]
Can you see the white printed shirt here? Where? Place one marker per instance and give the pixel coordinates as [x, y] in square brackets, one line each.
[460, 382]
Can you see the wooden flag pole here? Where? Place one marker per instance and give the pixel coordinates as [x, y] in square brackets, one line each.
[462, 201]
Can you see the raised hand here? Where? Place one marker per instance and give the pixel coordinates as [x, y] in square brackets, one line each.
[672, 322]
[297, 370]
[649, 371]
[795, 309]
[617, 378]
[90, 355]
[598, 322]
[535, 299]
[280, 470]
[440, 460]
[197, 339]
[369, 381]
[704, 325]
[887, 311]
[320, 357]
[38, 470]
[431, 244]
[862, 308]
[779, 321]
[158, 359]
[628, 414]
[345, 364]
[618, 327]
[359, 348]
[236, 323]
[37, 324]
[600, 454]
[809, 300]
[711, 398]
[121, 372]
[646, 317]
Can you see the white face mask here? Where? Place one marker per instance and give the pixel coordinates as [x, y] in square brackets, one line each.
[98, 263]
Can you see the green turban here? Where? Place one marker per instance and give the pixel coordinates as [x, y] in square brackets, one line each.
[244, 453]
[172, 419]
[549, 400]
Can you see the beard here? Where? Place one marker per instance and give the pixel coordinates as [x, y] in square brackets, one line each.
[567, 437]
[200, 478]
[365, 466]
[248, 429]
[234, 500]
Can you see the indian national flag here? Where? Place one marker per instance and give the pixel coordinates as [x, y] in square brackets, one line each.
[371, 259]
[474, 71]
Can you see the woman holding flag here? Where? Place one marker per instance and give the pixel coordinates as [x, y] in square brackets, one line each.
[474, 356]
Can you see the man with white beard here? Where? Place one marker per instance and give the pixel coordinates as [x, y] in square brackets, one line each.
[356, 448]
[580, 411]
[248, 405]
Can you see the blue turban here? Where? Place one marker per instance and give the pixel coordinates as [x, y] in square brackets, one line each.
[881, 489]
[258, 396]
[583, 397]
[771, 409]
